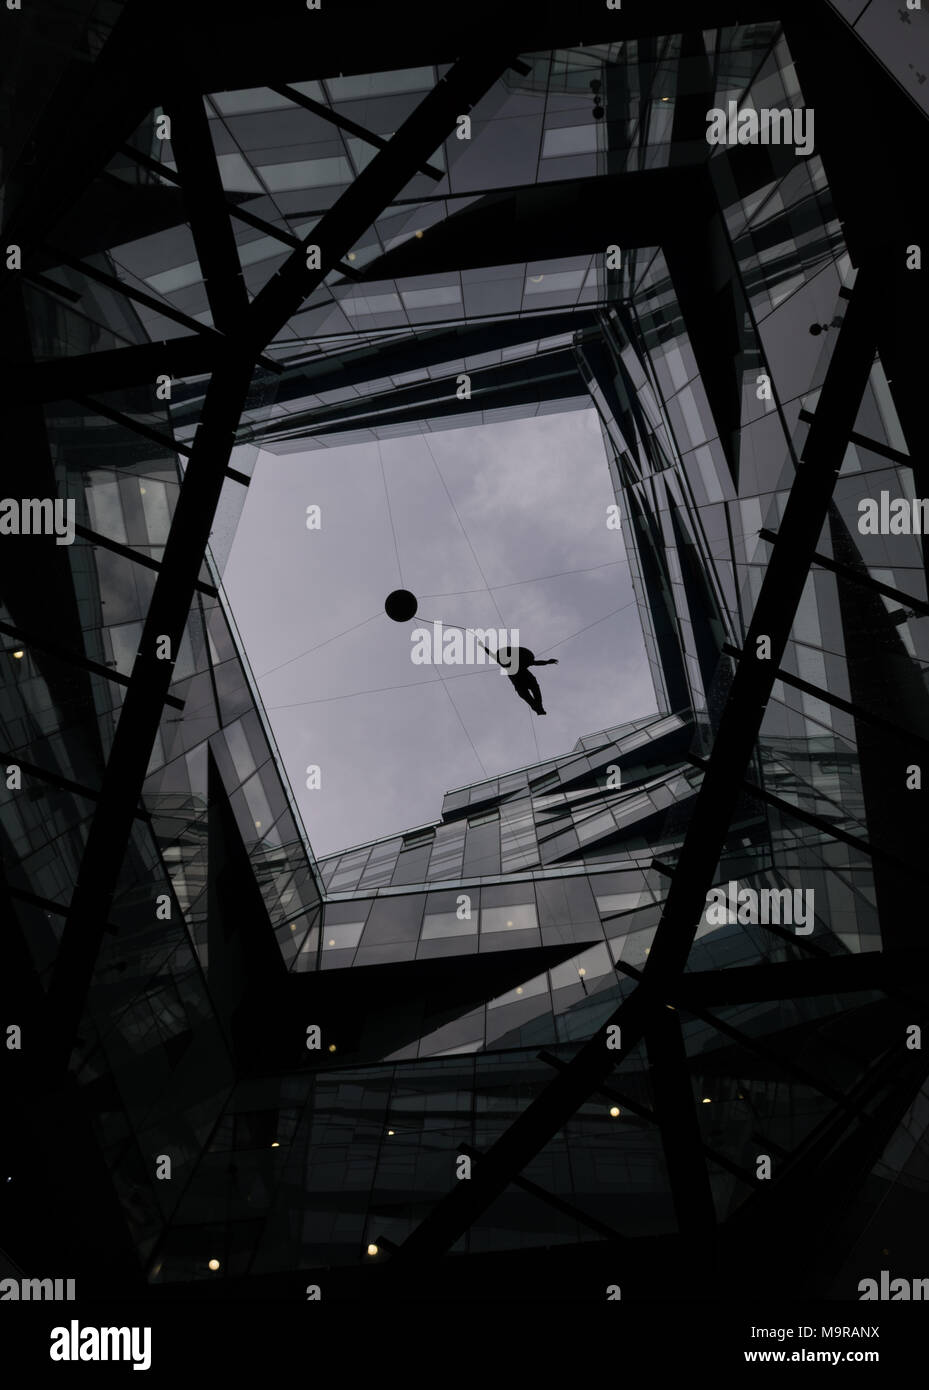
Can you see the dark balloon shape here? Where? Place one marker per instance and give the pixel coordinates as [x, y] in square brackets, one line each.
[401, 605]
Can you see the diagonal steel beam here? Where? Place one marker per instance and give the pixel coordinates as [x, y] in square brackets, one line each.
[681, 1140]
[343, 123]
[376, 186]
[205, 198]
[717, 800]
[847, 706]
[39, 643]
[828, 827]
[918, 605]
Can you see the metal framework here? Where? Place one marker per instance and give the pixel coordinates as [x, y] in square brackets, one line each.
[123, 90]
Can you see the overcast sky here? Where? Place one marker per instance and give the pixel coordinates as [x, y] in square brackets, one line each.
[531, 496]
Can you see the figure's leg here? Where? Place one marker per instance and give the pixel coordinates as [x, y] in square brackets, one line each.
[528, 688]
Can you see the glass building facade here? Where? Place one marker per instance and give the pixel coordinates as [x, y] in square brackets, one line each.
[315, 1047]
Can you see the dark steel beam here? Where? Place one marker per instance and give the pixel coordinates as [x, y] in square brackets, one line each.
[756, 1046]
[135, 556]
[42, 644]
[54, 779]
[861, 577]
[828, 827]
[817, 691]
[205, 198]
[149, 301]
[241, 214]
[552, 1200]
[644, 1112]
[681, 1140]
[147, 694]
[115, 369]
[167, 441]
[378, 183]
[733, 749]
[863, 441]
[343, 123]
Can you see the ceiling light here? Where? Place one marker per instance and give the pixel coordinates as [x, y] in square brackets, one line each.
[214, 1264]
[332, 1047]
[614, 1111]
[19, 654]
[275, 1143]
[372, 1249]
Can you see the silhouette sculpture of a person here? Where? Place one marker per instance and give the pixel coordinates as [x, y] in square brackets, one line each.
[516, 662]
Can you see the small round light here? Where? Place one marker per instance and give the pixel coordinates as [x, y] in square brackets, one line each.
[372, 1249]
[581, 970]
[509, 924]
[19, 654]
[275, 1143]
[706, 1100]
[665, 98]
[391, 1131]
[332, 941]
[537, 279]
[257, 824]
[351, 255]
[614, 1111]
[142, 490]
[418, 235]
[332, 1047]
[293, 926]
[519, 989]
[214, 1264]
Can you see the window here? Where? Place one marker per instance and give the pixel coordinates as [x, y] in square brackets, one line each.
[517, 917]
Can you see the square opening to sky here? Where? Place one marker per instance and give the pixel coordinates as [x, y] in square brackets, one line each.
[500, 526]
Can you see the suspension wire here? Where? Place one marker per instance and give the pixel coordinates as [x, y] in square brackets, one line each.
[425, 438]
[324, 643]
[390, 514]
[460, 593]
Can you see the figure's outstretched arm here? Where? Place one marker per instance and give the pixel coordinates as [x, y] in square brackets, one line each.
[551, 661]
